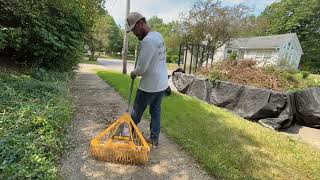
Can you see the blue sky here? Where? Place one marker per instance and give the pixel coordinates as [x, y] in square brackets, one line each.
[169, 10]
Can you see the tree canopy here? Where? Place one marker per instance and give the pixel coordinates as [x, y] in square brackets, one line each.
[303, 18]
[105, 36]
[43, 33]
[211, 23]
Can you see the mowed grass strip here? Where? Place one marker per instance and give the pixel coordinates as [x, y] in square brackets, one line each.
[227, 145]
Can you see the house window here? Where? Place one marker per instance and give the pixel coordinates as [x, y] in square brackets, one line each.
[289, 46]
[231, 51]
[263, 55]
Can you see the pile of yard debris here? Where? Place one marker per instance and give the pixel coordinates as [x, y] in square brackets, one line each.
[246, 72]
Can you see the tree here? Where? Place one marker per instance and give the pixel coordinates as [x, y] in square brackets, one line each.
[156, 23]
[303, 18]
[104, 36]
[98, 37]
[132, 42]
[207, 22]
[171, 34]
[253, 26]
[115, 39]
[47, 34]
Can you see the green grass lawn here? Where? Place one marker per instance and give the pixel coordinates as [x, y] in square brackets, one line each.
[314, 76]
[34, 111]
[225, 144]
[313, 80]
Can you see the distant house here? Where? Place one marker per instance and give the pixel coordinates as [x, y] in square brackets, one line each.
[276, 49]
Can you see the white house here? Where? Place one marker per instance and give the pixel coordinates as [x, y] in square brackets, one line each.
[276, 49]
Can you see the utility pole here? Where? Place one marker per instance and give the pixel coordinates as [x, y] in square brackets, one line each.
[125, 42]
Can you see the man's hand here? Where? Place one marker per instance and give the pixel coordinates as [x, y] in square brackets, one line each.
[133, 75]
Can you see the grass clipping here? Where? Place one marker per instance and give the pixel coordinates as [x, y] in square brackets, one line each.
[269, 77]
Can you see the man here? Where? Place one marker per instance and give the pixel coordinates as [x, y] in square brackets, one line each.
[152, 68]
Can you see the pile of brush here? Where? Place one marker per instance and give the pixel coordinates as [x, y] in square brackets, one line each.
[246, 72]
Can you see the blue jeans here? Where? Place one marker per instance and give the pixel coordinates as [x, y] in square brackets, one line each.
[140, 104]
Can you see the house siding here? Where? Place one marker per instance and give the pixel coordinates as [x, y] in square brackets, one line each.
[278, 52]
[290, 54]
[249, 54]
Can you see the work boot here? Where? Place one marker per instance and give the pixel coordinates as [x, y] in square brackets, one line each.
[155, 144]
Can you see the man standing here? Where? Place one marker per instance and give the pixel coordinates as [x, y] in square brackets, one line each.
[152, 68]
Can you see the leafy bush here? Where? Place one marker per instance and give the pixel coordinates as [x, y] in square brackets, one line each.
[233, 56]
[51, 76]
[304, 74]
[172, 58]
[93, 58]
[34, 114]
[313, 68]
[2, 40]
[47, 34]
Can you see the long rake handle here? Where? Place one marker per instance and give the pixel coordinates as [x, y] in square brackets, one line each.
[130, 94]
[132, 82]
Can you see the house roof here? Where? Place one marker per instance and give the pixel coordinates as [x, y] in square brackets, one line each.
[261, 42]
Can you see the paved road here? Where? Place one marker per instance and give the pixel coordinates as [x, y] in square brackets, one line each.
[115, 64]
[306, 134]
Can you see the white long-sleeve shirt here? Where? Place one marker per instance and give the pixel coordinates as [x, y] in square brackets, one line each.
[151, 64]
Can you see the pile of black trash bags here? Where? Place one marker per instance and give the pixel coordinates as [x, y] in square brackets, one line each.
[275, 110]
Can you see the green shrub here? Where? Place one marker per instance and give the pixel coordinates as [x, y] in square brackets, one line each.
[34, 114]
[304, 74]
[93, 58]
[46, 34]
[172, 58]
[233, 56]
[2, 40]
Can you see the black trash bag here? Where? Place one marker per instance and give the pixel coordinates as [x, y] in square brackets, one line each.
[307, 104]
[182, 81]
[167, 92]
[199, 88]
[178, 70]
[286, 117]
[248, 102]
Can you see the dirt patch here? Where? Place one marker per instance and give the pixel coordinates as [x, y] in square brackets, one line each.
[98, 105]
